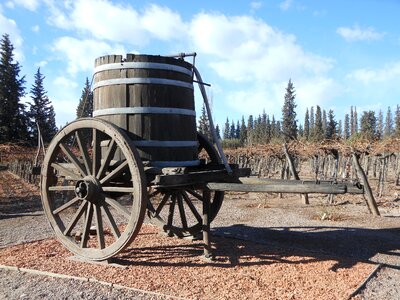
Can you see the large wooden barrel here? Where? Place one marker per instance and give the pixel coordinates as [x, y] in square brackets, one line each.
[152, 98]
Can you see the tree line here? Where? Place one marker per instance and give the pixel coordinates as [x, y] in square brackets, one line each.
[318, 125]
[20, 122]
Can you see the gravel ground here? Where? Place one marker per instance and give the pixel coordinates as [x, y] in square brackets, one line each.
[347, 231]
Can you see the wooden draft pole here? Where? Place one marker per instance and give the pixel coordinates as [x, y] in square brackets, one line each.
[289, 159]
[369, 196]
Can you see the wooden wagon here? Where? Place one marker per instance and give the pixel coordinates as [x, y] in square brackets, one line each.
[141, 155]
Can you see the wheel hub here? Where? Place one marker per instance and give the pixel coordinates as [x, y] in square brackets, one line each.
[88, 189]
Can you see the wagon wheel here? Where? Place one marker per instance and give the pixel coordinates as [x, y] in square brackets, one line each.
[93, 188]
[178, 211]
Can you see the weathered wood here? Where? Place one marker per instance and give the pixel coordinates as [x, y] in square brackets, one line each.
[370, 200]
[164, 124]
[279, 188]
[289, 159]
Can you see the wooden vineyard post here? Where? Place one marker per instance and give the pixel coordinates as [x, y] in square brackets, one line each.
[370, 200]
[289, 159]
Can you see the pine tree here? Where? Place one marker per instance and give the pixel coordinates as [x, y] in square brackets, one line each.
[41, 112]
[232, 130]
[379, 126]
[388, 123]
[237, 130]
[318, 134]
[312, 119]
[204, 124]
[368, 125]
[289, 123]
[397, 121]
[218, 132]
[340, 129]
[227, 130]
[85, 106]
[331, 126]
[352, 131]
[243, 132]
[324, 122]
[346, 129]
[355, 120]
[13, 117]
[307, 125]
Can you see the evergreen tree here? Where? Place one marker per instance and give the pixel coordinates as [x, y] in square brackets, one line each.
[243, 132]
[273, 128]
[324, 122]
[85, 106]
[13, 117]
[368, 125]
[227, 130]
[41, 111]
[355, 120]
[397, 121]
[289, 124]
[218, 132]
[340, 129]
[318, 134]
[352, 131]
[331, 126]
[312, 119]
[237, 130]
[379, 126]
[232, 131]
[204, 124]
[346, 129]
[388, 123]
[307, 125]
[301, 130]
[268, 130]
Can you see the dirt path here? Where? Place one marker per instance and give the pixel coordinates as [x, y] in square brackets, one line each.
[344, 230]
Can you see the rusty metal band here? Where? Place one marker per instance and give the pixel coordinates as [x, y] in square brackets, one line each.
[143, 110]
[153, 143]
[116, 81]
[175, 163]
[142, 65]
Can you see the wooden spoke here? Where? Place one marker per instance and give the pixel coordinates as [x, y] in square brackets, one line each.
[111, 221]
[75, 218]
[182, 212]
[118, 207]
[171, 211]
[72, 158]
[109, 155]
[118, 189]
[66, 205]
[192, 207]
[66, 172]
[99, 227]
[155, 193]
[85, 154]
[115, 172]
[61, 188]
[86, 226]
[162, 204]
[195, 194]
[96, 152]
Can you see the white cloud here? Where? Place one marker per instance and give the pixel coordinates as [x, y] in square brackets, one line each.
[248, 49]
[358, 34]
[80, 54]
[35, 28]
[118, 23]
[385, 74]
[64, 82]
[41, 64]
[28, 4]
[10, 27]
[285, 5]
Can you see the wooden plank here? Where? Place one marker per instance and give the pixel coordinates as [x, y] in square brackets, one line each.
[279, 188]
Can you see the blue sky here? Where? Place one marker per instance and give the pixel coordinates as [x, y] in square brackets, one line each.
[337, 53]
